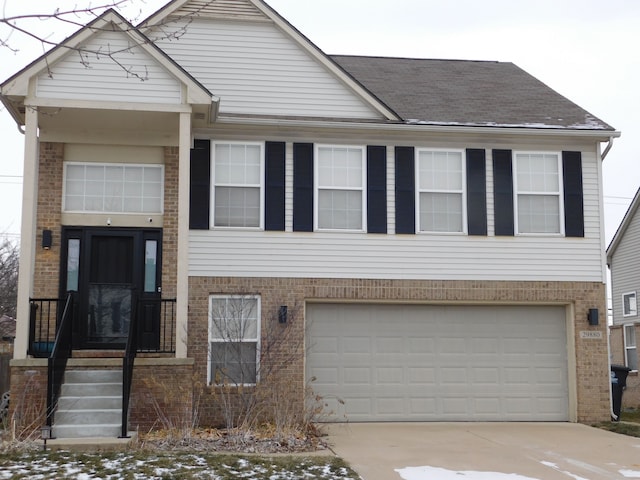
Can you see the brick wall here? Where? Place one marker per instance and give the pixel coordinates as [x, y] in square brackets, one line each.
[591, 360]
[170, 223]
[28, 405]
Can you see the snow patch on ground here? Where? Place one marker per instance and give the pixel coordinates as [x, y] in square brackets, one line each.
[630, 473]
[429, 473]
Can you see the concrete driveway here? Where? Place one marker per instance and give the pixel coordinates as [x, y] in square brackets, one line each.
[487, 451]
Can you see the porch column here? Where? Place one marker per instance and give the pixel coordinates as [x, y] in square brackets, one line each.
[27, 232]
[182, 287]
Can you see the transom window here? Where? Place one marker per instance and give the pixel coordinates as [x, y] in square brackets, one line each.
[237, 181]
[629, 304]
[630, 350]
[340, 180]
[538, 198]
[234, 332]
[441, 191]
[113, 188]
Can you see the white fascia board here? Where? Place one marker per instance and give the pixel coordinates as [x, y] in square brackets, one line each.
[597, 135]
[101, 105]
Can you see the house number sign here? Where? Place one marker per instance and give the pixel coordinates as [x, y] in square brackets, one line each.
[590, 334]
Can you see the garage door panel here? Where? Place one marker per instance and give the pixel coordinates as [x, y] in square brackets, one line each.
[435, 363]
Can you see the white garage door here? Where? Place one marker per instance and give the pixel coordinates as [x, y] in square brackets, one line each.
[438, 363]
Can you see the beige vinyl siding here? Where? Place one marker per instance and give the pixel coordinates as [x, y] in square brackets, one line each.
[625, 269]
[429, 257]
[128, 74]
[256, 69]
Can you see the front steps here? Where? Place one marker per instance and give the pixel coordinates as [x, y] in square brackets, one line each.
[90, 405]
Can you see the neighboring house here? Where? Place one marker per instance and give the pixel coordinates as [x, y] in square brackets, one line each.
[432, 228]
[623, 258]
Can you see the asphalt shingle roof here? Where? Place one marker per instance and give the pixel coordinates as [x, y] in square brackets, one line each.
[462, 92]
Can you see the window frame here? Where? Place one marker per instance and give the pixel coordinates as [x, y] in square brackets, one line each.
[627, 347]
[317, 188]
[462, 192]
[214, 185]
[124, 166]
[211, 339]
[559, 194]
[631, 313]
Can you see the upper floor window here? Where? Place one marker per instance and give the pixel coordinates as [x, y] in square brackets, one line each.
[441, 191]
[538, 193]
[629, 304]
[630, 349]
[234, 332]
[238, 170]
[113, 188]
[340, 188]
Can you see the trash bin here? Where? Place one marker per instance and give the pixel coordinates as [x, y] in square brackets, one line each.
[618, 384]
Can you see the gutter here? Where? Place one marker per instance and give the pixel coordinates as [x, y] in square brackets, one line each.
[606, 150]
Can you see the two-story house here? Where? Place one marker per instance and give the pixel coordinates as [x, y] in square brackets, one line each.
[428, 232]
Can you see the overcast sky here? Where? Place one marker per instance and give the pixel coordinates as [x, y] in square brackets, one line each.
[585, 49]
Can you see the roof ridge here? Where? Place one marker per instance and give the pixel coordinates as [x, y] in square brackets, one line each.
[383, 57]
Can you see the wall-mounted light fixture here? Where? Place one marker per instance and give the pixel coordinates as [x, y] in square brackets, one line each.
[592, 316]
[46, 239]
[282, 314]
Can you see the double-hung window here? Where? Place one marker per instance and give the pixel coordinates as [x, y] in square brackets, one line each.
[340, 188]
[629, 304]
[538, 193]
[113, 188]
[441, 191]
[238, 170]
[630, 350]
[234, 332]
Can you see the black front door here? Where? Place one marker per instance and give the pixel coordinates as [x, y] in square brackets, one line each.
[116, 275]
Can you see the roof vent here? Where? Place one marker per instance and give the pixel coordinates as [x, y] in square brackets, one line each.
[198, 116]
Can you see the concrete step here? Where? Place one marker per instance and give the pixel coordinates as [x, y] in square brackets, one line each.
[90, 403]
[87, 417]
[86, 431]
[91, 389]
[93, 376]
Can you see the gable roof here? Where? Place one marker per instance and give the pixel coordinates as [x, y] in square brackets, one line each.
[467, 93]
[626, 221]
[15, 88]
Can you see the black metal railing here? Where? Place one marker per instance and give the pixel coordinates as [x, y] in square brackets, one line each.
[44, 314]
[127, 369]
[60, 353]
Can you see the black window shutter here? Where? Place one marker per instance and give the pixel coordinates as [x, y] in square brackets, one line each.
[476, 192]
[573, 194]
[303, 187]
[405, 190]
[503, 192]
[274, 186]
[376, 189]
[200, 185]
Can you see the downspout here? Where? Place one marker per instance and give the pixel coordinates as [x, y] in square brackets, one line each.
[606, 150]
[21, 129]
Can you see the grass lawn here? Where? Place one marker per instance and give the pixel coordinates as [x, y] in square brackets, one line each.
[629, 423]
[179, 465]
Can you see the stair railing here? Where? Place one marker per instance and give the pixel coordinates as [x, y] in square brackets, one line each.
[127, 365]
[57, 361]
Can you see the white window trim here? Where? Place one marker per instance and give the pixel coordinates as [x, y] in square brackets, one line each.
[631, 313]
[212, 213]
[626, 348]
[560, 193]
[116, 164]
[465, 222]
[316, 188]
[210, 381]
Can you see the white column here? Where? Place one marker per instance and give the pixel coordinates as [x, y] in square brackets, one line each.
[182, 292]
[27, 232]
